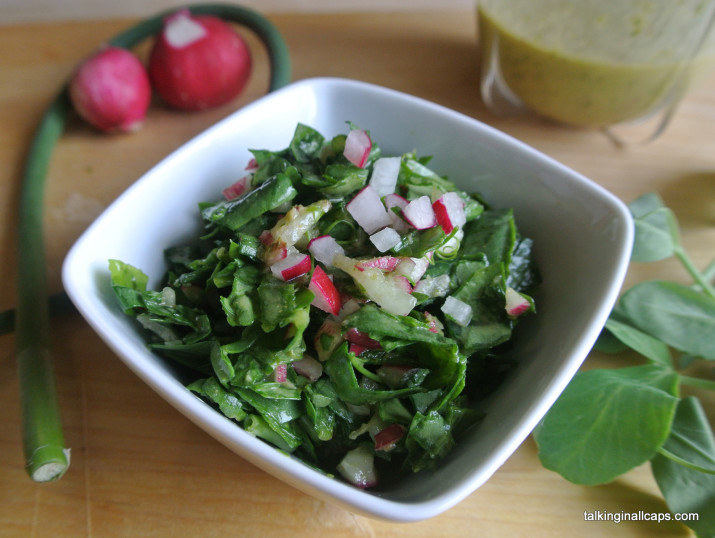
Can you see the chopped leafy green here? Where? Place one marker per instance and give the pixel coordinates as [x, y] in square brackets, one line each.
[320, 361]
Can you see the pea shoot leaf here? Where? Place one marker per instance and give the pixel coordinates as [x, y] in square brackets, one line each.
[676, 314]
[607, 422]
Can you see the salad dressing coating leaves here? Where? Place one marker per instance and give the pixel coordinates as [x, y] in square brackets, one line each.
[393, 390]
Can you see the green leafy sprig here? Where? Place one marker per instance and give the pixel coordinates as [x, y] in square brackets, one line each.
[609, 421]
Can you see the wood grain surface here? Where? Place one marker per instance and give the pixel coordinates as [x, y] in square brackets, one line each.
[139, 468]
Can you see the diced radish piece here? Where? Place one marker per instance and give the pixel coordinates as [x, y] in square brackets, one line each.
[385, 239]
[237, 189]
[458, 310]
[384, 263]
[266, 237]
[327, 339]
[412, 268]
[327, 297]
[324, 248]
[357, 147]
[449, 210]
[402, 282]
[309, 368]
[356, 349]
[368, 210]
[358, 467]
[419, 213]
[391, 201]
[280, 374]
[516, 303]
[434, 286]
[384, 175]
[361, 338]
[388, 438]
[435, 325]
[395, 200]
[350, 305]
[392, 375]
[292, 266]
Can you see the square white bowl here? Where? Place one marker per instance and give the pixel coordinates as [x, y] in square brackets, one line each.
[582, 235]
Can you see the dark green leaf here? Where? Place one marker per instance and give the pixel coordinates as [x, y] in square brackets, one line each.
[676, 314]
[644, 344]
[691, 440]
[607, 422]
[687, 491]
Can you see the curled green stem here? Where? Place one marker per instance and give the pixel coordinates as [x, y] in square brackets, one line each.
[43, 439]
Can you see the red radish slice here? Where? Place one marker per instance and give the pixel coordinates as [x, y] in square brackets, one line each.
[280, 374]
[357, 147]
[419, 213]
[385, 263]
[236, 189]
[252, 165]
[388, 438]
[401, 282]
[368, 210]
[516, 303]
[292, 266]
[356, 349]
[449, 210]
[309, 368]
[324, 248]
[458, 310]
[384, 175]
[327, 297]
[358, 467]
[361, 338]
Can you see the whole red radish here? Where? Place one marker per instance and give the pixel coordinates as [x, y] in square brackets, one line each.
[111, 90]
[198, 62]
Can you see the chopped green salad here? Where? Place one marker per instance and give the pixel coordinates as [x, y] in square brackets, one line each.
[346, 306]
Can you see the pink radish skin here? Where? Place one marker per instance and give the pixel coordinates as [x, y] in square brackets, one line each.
[292, 266]
[357, 147]
[111, 91]
[237, 189]
[516, 304]
[449, 211]
[198, 62]
[327, 297]
[387, 439]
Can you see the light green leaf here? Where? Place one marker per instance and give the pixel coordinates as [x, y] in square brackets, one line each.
[654, 229]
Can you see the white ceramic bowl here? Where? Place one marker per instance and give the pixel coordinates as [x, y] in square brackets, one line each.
[582, 238]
